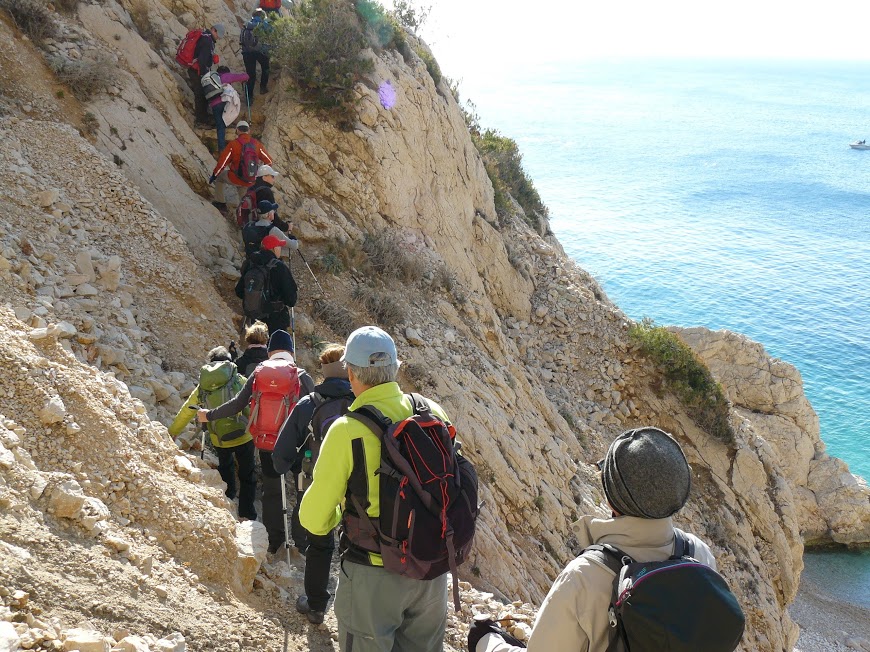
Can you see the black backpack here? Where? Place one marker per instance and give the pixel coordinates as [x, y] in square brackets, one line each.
[257, 300]
[247, 38]
[676, 605]
[326, 410]
[252, 237]
[428, 496]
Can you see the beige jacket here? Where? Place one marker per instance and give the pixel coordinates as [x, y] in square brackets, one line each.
[573, 616]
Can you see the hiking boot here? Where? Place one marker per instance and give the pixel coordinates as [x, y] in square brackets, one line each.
[314, 617]
[263, 90]
[221, 206]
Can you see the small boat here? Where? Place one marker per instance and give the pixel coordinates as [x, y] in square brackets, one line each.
[859, 144]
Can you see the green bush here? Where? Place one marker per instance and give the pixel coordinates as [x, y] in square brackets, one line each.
[382, 28]
[431, 64]
[687, 376]
[409, 16]
[504, 165]
[33, 18]
[140, 13]
[321, 47]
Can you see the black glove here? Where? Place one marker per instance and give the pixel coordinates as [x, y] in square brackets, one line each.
[211, 179]
[481, 628]
[234, 352]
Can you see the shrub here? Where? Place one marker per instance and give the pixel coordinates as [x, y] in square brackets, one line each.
[33, 18]
[687, 376]
[386, 308]
[382, 29]
[388, 257]
[504, 165]
[431, 64]
[85, 77]
[336, 316]
[409, 16]
[90, 124]
[66, 6]
[321, 47]
[140, 13]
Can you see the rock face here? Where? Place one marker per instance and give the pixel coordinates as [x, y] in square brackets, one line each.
[832, 505]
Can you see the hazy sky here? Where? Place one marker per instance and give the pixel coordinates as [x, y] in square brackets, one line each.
[470, 36]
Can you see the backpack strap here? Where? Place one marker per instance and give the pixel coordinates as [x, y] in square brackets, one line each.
[610, 556]
[683, 545]
[419, 403]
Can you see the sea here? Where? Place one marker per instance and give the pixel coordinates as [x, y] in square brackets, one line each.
[719, 193]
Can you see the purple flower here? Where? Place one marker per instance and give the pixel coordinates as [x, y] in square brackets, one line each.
[387, 95]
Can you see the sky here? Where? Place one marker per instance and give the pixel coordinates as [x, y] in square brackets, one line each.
[471, 38]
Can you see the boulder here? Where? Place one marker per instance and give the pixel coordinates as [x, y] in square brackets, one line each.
[66, 498]
[85, 640]
[252, 541]
[52, 412]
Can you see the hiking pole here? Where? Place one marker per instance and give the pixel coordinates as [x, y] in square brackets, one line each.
[286, 524]
[204, 426]
[319, 286]
[293, 328]
[248, 100]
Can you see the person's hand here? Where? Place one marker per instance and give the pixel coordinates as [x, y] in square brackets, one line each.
[211, 179]
[202, 416]
[215, 59]
[292, 242]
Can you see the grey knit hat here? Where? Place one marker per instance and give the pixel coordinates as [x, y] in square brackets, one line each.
[645, 474]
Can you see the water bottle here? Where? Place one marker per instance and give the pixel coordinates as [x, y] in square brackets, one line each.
[307, 470]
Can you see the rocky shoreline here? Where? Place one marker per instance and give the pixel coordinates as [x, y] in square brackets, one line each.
[828, 624]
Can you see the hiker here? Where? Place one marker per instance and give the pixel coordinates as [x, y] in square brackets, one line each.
[219, 380]
[256, 339]
[296, 450]
[262, 190]
[237, 165]
[196, 52]
[254, 52]
[646, 481]
[254, 232]
[223, 99]
[377, 609]
[268, 412]
[266, 286]
[274, 6]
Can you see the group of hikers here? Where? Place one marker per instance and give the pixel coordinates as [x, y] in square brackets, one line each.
[385, 469]
[216, 102]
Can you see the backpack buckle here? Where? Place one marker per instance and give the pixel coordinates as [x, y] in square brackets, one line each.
[611, 617]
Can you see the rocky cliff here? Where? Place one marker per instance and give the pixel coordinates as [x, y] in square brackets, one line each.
[114, 266]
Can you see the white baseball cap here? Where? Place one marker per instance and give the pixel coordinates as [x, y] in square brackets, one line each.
[267, 170]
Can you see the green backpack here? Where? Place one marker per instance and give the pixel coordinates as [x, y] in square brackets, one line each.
[218, 383]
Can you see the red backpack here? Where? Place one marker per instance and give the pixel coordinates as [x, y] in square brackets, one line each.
[249, 161]
[275, 392]
[270, 4]
[185, 54]
[247, 209]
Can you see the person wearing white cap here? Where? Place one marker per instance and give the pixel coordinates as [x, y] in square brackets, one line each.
[377, 610]
[263, 189]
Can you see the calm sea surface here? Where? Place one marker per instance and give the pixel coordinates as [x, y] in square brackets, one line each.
[722, 194]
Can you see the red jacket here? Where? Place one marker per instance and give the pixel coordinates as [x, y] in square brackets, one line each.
[231, 157]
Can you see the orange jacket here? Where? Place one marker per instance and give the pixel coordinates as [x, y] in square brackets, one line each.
[231, 157]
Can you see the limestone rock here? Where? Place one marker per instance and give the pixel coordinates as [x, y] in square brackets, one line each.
[132, 644]
[67, 498]
[10, 641]
[173, 643]
[53, 412]
[47, 197]
[83, 640]
[253, 544]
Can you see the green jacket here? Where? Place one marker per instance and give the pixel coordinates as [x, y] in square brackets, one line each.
[185, 415]
[323, 503]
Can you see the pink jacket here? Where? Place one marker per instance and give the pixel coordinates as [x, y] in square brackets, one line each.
[229, 78]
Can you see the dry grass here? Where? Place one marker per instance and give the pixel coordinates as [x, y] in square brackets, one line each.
[86, 77]
[140, 12]
[389, 257]
[384, 306]
[33, 18]
[334, 315]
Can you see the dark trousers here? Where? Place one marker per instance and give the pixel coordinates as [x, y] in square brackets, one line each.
[251, 60]
[273, 514]
[201, 110]
[221, 128]
[242, 455]
[278, 321]
[318, 558]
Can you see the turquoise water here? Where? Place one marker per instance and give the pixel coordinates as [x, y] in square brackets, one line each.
[721, 194]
